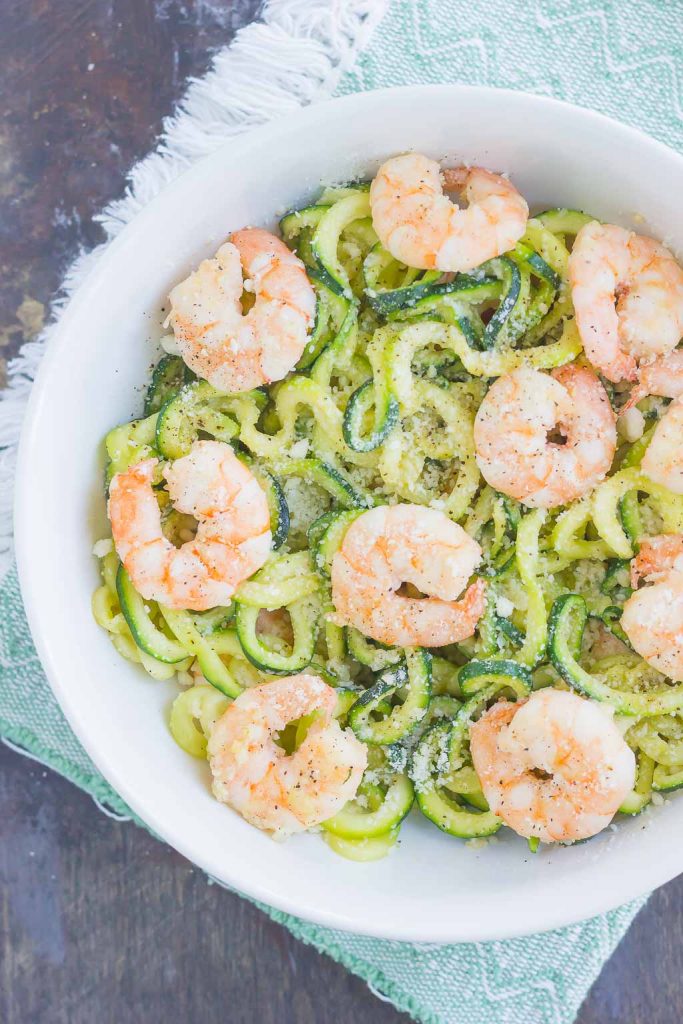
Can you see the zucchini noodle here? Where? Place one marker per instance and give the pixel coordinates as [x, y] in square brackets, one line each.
[380, 408]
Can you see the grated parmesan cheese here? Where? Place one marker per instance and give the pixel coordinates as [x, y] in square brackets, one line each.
[299, 450]
[170, 345]
[103, 547]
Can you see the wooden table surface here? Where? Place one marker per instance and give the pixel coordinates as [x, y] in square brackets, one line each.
[98, 921]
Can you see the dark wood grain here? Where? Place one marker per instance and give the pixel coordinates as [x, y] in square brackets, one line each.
[98, 921]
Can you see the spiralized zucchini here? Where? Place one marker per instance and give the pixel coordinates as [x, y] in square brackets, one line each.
[381, 409]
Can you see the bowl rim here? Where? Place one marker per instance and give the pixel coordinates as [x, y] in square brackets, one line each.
[538, 920]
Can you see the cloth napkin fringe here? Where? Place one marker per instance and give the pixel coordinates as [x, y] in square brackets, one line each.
[294, 55]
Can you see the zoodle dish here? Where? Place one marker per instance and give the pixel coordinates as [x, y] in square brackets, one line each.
[403, 516]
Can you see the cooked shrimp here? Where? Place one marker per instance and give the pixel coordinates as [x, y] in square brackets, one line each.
[663, 459]
[233, 535]
[421, 227]
[663, 377]
[653, 616]
[628, 297]
[235, 351]
[554, 766]
[653, 621]
[271, 790]
[392, 545]
[656, 557]
[512, 435]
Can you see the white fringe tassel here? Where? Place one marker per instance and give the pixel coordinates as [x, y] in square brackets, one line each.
[293, 56]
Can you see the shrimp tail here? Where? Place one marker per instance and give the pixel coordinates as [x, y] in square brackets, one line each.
[468, 610]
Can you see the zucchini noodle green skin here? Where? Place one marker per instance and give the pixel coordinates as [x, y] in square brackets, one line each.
[380, 408]
[567, 623]
[414, 675]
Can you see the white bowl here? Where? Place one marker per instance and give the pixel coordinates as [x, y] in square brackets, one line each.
[433, 887]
